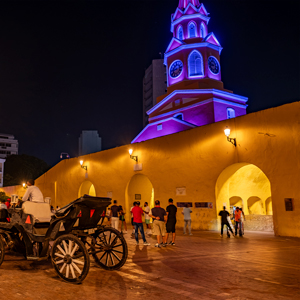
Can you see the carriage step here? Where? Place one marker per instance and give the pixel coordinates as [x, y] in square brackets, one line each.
[37, 258]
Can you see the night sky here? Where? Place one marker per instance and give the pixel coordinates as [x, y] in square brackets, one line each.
[68, 66]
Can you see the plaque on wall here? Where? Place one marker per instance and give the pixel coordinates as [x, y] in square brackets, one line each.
[181, 191]
[288, 204]
[138, 197]
[109, 194]
[203, 204]
[183, 204]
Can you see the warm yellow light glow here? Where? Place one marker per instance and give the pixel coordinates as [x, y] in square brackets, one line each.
[227, 131]
[81, 162]
[24, 184]
[130, 151]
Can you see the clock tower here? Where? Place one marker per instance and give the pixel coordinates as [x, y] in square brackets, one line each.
[195, 94]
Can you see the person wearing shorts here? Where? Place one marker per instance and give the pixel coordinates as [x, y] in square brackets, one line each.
[159, 223]
[171, 222]
[147, 218]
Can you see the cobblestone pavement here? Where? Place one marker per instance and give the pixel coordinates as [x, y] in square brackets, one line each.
[202, 266]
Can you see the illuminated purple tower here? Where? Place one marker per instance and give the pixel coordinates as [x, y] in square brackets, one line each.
[196, 94]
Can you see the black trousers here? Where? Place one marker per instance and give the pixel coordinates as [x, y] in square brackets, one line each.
[228, 226]
[238, 224]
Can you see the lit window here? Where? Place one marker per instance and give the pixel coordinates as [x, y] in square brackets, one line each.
[195, 64]
[192, 30]
[202, 31]
[180, 33]
[179, 116]
[230, 113]
[159, 127]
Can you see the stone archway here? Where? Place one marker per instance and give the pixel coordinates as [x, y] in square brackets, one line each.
[246, 185]
[87, 188]
[141, 187]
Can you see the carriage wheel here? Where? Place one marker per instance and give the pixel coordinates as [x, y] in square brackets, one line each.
[110, 249]
[70, 258]
[2, 250]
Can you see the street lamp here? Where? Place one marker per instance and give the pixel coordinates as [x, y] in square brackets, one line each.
[131, 156]
[231, 140]
[83, 167]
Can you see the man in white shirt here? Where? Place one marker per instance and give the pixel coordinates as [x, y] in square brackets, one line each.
[33, 193]
[147, 218]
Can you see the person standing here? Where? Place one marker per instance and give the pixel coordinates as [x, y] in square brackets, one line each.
[224, 214]
[147, 218]
[159, 216]
[33, 193]
[243, 218]
[237, 218]
[171, 221]
[132, 218]
[137, 212]
[114, 213]
[187, 219]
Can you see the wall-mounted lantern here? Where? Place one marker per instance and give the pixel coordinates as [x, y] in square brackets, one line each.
[82, 166]
[24, 186]
[131, 156]
[227, 133]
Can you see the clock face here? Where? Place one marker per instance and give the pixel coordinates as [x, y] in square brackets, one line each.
[213, 65]
[176, 68]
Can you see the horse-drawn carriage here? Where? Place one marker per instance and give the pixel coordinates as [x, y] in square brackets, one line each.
[68, 237]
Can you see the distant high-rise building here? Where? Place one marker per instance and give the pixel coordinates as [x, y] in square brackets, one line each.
[8, 145]
[155, 85]
[89, 142]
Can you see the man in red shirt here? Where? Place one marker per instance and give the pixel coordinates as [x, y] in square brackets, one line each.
[137, 213]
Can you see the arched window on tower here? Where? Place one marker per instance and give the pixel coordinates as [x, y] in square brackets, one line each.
[195, 63]
[202, 30]
[230, 113]
[180, 33]
[192, 30]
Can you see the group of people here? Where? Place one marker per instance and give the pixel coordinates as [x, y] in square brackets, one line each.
[238, 217]
[164, 221]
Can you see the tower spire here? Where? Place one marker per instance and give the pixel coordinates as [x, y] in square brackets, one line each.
[184, 3]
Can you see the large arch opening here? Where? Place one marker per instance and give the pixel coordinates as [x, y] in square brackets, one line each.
[245, 185]
[87, 188]
[139, 188]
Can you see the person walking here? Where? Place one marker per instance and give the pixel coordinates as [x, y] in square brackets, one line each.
[243, 218]
[159, 216]
[122, 220]
[171, 221]
[187, 219]
[147, 218]
[114, 213]
[137, 212]
[237, 218]
[224, 214]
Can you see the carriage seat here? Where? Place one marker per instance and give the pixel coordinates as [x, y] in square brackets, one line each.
[40, 211]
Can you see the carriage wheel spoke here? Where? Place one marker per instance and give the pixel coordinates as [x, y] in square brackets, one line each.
[62, 268]
[59, 261]
[121, 252]
[115, 246]
[68, 271]
[65, 246]
[111, 259]
[59, 255]
[70, 246]
[72, 271]
[116, 256]
[114, 241]
[106, 261]
[61, 250]
[76, 268]
[109, 237]
[79, 262]
[74, 249]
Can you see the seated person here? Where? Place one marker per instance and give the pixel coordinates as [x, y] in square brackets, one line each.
[3, 212]
[33, 193]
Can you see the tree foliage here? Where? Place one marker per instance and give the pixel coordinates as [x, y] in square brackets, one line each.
[20, 168]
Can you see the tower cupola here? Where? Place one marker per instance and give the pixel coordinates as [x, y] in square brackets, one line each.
[184, 3]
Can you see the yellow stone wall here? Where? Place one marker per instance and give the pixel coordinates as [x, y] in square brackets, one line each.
[268, 145]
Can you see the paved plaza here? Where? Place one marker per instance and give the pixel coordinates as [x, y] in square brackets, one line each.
[202, 266]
